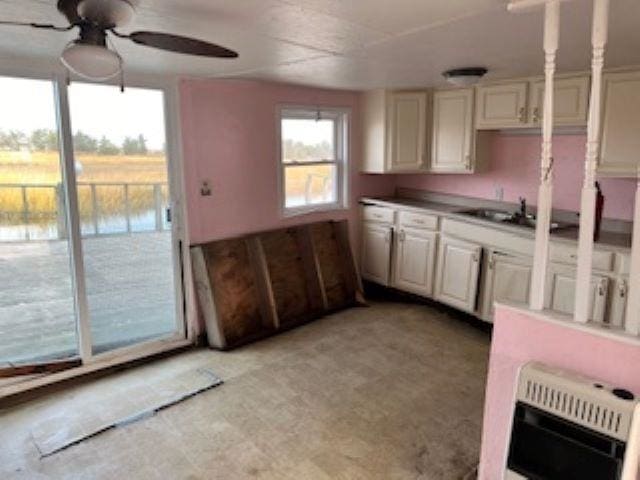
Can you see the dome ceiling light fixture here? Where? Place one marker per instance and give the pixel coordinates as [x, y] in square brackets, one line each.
[464, 77]
[92, 55]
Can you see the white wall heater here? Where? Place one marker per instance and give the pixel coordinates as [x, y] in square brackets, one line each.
[567, 426]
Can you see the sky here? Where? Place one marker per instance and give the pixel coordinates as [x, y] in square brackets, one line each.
[309, 132]
[97, 110]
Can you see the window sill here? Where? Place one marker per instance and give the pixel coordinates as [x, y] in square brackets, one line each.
[308, 209]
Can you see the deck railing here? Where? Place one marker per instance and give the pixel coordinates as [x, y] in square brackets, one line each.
[37, 211]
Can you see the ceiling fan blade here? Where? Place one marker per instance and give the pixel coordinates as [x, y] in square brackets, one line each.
[69, 8]
[179, 44]
[46, 26]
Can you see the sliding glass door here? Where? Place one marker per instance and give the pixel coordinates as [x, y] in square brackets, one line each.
[123, 199]
[88, 260]
[37, 315]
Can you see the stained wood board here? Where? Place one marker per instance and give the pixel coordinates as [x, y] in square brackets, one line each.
[252, 286]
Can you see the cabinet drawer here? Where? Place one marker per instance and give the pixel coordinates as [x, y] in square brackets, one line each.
[569, 255]
[418, 220]
[372, 213]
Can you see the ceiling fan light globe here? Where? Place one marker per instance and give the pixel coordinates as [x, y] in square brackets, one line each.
[114, 13]
[91, 62]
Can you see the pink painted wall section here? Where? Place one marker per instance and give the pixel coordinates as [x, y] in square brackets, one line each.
[229, 138]
[519, 338]
[514, 165]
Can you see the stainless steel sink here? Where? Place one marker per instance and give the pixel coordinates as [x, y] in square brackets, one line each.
[497, 216]
[493, 215]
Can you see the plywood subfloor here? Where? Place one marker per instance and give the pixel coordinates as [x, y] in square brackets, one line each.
[394, 391]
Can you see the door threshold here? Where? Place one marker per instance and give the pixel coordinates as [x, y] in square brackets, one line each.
[30, 388]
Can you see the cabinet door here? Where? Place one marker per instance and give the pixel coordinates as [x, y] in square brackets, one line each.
[501, 106]
[452, 140]
[570, 101]
[561, 291]
[407, 131]
[376, 253]
[618, 311]
[414, 261]
[620, 124]
[457, 274]
[508, 279]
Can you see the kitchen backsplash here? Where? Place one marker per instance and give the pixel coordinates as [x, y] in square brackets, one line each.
[513, 168]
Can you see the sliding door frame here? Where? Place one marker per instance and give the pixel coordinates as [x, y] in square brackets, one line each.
[186, 312]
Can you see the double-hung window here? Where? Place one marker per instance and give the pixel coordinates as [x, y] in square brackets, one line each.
[313, 159]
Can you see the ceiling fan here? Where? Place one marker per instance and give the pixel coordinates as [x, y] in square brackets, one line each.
[93, 56]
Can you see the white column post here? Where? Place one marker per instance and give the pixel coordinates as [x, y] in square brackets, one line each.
[545, 191]
[588, 199]
[632, 317]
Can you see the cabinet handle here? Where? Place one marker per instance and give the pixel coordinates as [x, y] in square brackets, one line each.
[387, 237]
[536, 115]
[601, 287]
[521, 114]
[401, 235]
[468, 161]
[475, 257]
[622, 289]
[491, 263]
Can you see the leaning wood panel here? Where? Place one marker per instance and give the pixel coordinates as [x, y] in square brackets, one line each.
[236, 292]
[253, 286]
[328, 254]
[288, 278]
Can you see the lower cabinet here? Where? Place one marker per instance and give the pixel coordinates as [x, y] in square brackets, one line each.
[561, 291]
[618, 310]
[457, 273]
[507, 278]
[414, 261]
[376, 252]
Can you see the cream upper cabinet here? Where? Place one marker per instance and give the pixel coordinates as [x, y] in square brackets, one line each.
[561, 291]
[374, 124]
[395, 131]
[408, 131]
[414, 260]
[501, 105]
[620, 146]
[507, 278]
[457, 273]
[570, 102]
[376, 252]
[452, 132]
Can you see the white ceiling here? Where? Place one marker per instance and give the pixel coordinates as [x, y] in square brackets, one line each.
[352, 44]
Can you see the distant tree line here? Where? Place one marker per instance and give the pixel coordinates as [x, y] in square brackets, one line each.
[302, 151]
[43, 140]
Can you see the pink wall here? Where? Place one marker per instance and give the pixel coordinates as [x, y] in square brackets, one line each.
[514, 164]
[229, 138]
[519, 338]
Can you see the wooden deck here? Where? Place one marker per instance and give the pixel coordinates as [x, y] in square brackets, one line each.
[130, 291]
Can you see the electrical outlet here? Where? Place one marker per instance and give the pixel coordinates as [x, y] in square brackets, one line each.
[499, 193]
[205, 189]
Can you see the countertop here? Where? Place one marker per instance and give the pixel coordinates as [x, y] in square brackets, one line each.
[608, 240]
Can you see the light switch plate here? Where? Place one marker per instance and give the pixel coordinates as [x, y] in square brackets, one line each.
[205, 188]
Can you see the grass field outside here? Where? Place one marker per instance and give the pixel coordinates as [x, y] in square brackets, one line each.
[112, 188]
[31, 192]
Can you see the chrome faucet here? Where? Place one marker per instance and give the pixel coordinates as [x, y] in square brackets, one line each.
[523, 207]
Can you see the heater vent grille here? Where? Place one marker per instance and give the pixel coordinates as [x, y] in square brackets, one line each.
[575, 398]
[579, 409]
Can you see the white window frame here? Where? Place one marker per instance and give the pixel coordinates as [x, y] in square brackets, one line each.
[342, 119]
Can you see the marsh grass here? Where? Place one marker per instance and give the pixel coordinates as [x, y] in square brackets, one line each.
[40, 172]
